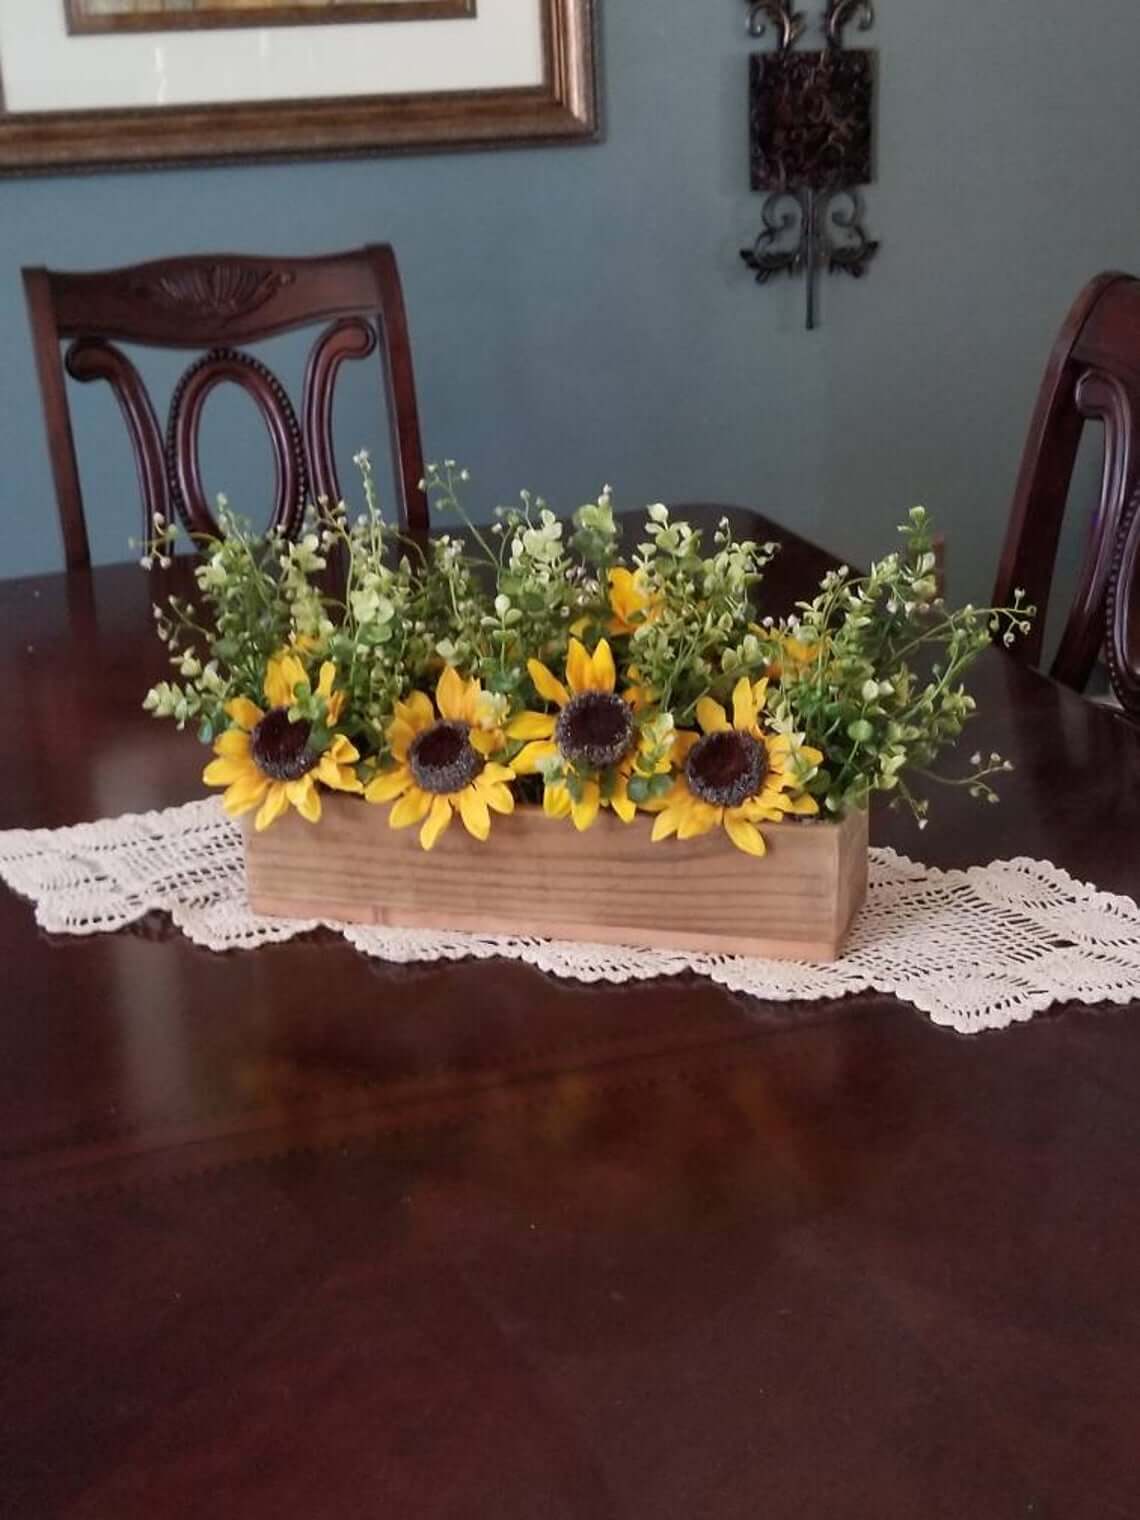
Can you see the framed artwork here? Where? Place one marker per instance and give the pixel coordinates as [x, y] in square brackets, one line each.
[106, 83]
[175, 15]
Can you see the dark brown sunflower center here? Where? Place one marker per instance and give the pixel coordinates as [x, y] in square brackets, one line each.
[280, 748]
[726, 768]
[443, 759]
[594, 729]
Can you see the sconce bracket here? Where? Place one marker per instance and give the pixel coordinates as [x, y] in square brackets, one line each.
[811, 146]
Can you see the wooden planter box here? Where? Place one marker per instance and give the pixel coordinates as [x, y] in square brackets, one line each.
[538, 876]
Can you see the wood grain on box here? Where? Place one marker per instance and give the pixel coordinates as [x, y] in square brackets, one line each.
[538, 876]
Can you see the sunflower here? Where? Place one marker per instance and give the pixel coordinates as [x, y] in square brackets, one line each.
[270, 761]
[443, 764]
[639, 695]
[594, 735]
[736, 775]
[630, 604]
[795, 658]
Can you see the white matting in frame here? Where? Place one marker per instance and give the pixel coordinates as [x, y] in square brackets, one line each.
[46, 69]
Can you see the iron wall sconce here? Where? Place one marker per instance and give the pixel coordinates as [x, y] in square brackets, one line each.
[810, 123]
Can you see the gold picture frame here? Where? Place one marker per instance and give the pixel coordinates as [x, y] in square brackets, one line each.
[562, 107]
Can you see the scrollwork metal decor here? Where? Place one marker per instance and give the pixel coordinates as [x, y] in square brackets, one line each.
[777, 13]
[810, 119]
[840, 12]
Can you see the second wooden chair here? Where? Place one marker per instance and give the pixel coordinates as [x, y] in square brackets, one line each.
[217, 303]
[1093, 375]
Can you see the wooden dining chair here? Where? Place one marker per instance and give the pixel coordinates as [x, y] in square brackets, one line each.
[1093, 374]
[220, 302]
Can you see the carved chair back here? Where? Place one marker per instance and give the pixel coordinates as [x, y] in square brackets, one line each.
[1093, 374]
[218, 303]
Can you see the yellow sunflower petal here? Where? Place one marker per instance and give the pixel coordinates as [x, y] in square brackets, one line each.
[711, 716]
[699, 818]
[603, 675]
[486, 740]
[244, 795]
[388, 784]
[495, 773]
[579, 668]
[621, 802]
[760, 693]
[769, 807]
[246, 714]
[556, 801]
[305, 797]
[234, 743]
[411, 808]
[344, 780]
[585, 810]
[625, 599]
[474, 711]
[282, 675]
[400, 736]
[473, 811]
[276, 801]
[498, 797]
[336, 706]
[531, 725]
[529, 759]
[683, 741]
[251, 784]
[776, 783]
[743, 705]
[451, 696]
[744, 835]
[224, 771]
[328, 772]
[435, 823]
[416, 711]
[804, 806]
[548, 686]
[343, 751]
[621, 586]
[666, 823]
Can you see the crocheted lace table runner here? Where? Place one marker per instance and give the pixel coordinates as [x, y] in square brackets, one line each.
[974, 949]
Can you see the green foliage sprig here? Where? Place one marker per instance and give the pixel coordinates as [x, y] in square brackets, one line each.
[871, 669]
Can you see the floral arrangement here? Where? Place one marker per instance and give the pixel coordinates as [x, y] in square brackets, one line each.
[535, 661]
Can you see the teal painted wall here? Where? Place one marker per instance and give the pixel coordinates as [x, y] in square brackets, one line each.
[580, 315]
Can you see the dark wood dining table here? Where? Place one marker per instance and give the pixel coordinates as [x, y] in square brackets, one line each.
[296, 1234]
